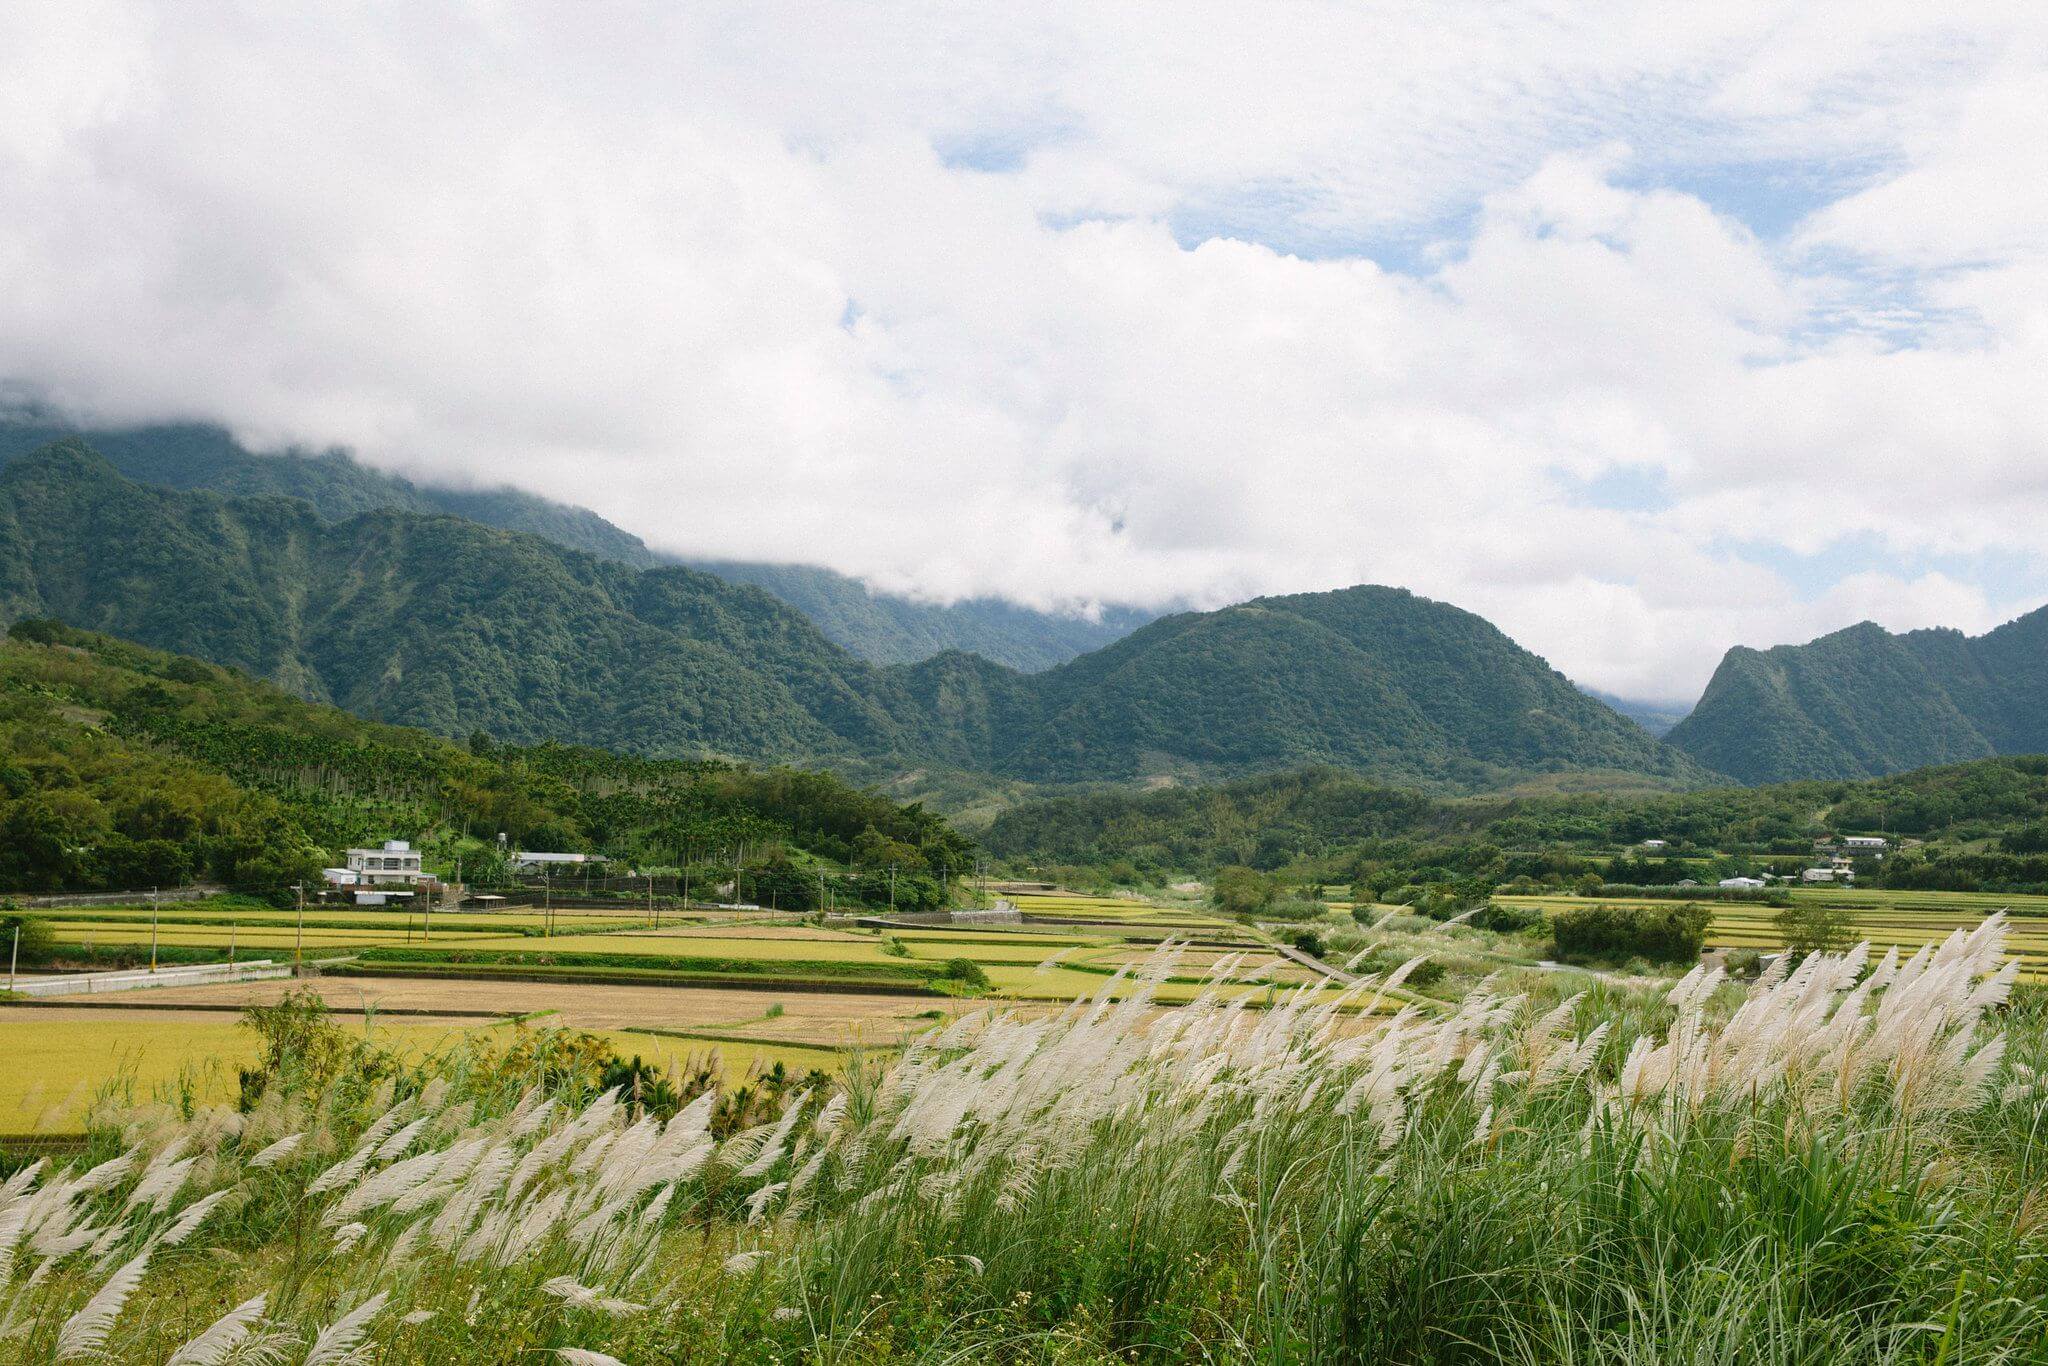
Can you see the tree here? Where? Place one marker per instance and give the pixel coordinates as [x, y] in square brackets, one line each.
[1813, 927]
[1243, 891]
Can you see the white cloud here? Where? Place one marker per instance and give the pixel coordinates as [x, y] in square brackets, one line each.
[966, 301]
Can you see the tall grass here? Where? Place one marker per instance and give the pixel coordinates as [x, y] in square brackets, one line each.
[1842, 1163]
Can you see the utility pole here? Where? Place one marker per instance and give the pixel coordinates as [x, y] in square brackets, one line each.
[739, 864]
[650, 899]
[152, 929]
[14, 957]
[821, 891]
[299, 938]
[892, 889]
[547, 902]
[686, 879]
[231, 943]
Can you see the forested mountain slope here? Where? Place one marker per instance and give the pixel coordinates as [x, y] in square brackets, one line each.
[893, 630]
[433, 621]
[878, 627]
[443, 623]
[127, 767]
[1371, 679]
[1863, 702]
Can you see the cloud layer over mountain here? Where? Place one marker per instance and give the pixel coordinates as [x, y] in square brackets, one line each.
[1639, 336]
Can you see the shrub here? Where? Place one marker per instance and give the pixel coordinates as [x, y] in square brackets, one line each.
[1243, 891]
[1743, 964]
[38, 941]
[1309, 942]
[1384, 960]
[965, 971]
[1502, 919]
[1660, 934]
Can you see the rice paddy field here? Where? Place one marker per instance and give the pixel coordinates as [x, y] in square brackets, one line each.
[808, 1001]
[1906, 920]
[60, 1060]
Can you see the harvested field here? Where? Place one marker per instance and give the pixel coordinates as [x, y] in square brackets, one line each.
[833, 1019]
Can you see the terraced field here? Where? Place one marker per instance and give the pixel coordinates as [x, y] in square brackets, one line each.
[1904, 919]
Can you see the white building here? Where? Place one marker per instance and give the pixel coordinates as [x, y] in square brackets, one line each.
[1866, 842]
[1746, 883]
[1828, 875]
[396, 863]
[1654, 844]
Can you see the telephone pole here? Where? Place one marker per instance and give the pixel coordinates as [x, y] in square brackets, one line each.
[152, 929]
[299, 938]
[892, 889]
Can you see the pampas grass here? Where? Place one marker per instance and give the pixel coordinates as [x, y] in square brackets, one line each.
[1835, 1146]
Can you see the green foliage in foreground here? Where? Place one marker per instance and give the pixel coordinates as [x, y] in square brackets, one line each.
[1805, 1172]
[124, 767]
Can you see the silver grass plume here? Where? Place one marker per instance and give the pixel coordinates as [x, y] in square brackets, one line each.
[86, 1331]
[218, 1342]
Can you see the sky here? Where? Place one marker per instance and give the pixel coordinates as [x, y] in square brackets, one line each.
[1641, 329]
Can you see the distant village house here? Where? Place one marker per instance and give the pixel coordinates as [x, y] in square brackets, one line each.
[533, 862]
[373, 876]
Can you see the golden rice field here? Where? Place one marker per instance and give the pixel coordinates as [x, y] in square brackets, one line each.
[1884, 927]
[58, 1061]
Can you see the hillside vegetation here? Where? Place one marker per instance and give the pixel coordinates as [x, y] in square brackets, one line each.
[1986, 821]
[1863, 702]
[126, 767]
[449, 625]
[877, 627]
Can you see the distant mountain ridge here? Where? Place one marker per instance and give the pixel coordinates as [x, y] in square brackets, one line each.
[880, 628]
[440, 622]
[1864, 702]
[1655, 717]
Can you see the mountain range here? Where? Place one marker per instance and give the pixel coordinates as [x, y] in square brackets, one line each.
[1863, 702]
[881, 628]
[440, 621]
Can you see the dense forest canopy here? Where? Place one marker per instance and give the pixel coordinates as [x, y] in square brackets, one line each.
[122, 766]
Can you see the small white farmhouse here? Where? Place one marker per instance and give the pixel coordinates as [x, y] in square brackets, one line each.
[397, 862]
